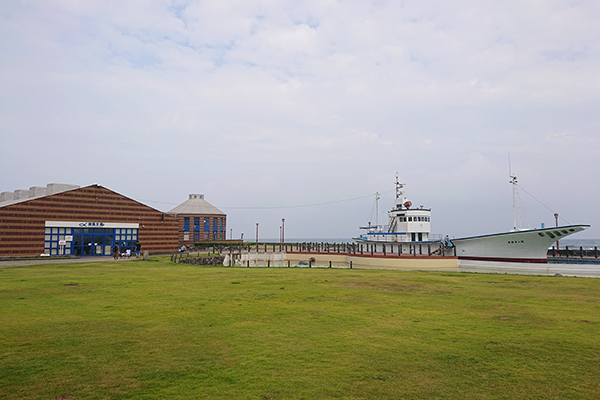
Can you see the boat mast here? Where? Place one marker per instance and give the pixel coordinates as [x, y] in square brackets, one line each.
[399, 187]
[517, 204]
[377, 210]
[513, 181]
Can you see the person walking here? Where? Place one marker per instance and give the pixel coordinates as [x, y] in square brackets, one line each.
[116, 251]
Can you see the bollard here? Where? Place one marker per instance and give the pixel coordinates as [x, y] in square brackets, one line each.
[384, 249]
[350, 264]
[329, 263]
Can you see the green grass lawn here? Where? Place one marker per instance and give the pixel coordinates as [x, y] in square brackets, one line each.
[158, 330]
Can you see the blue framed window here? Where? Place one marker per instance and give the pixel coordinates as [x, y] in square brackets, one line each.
[88, 241]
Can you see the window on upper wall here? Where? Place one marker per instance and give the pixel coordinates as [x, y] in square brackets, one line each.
[196, 221]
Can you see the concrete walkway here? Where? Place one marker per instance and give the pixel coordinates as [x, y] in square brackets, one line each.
[39, 261]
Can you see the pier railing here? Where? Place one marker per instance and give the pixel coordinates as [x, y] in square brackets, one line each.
[391, 249]
[573, 253]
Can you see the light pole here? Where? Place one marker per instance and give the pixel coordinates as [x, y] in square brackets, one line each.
[282, 231]
[257, 236]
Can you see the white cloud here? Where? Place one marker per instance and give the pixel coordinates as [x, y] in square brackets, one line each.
[322, 100]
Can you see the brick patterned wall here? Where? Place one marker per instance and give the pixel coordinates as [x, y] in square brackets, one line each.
[191, 241]
[22, 224]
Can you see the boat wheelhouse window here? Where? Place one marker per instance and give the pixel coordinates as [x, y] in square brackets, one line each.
[565, 232]
[571, 230]
[550, 234]
[557, 233]
[541, 234]
[410, 219]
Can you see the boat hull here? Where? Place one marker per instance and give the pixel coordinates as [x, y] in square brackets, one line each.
[515, 246]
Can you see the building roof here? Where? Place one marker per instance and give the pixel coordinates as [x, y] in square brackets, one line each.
[34, 192]
[196, 205]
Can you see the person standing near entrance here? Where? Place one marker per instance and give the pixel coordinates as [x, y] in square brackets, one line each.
[116, 251]
[138, 247]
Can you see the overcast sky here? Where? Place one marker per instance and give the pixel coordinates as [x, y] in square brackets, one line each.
[304, 110]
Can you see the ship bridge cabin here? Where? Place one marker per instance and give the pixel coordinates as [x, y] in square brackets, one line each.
[409, 225]
[405, 225]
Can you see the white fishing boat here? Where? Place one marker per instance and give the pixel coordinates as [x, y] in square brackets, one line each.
[411, 226]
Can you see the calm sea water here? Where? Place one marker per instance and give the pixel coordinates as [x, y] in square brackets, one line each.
[587, 244]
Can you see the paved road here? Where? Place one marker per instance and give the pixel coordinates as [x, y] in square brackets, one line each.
[38, 261]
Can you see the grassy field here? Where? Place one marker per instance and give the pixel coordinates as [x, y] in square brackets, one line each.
[158, 330]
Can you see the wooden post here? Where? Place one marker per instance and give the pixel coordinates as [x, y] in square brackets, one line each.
[329, 263]
[350, 264]
[384, 249]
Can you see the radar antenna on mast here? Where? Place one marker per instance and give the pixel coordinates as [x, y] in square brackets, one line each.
[399, 187]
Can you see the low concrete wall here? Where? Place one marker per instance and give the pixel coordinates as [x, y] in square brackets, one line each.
[406, 263]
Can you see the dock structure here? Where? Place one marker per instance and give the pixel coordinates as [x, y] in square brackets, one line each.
[402, 256]
[412, 258]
